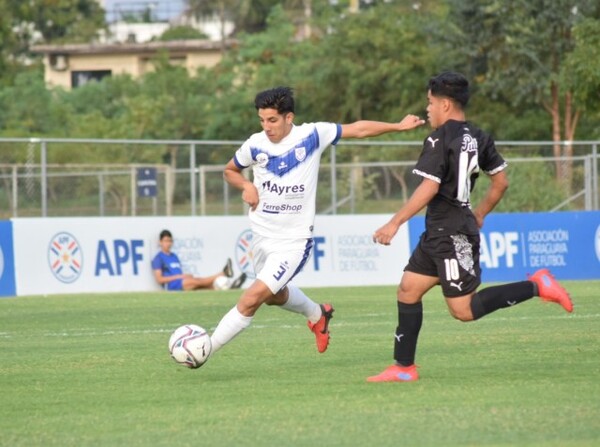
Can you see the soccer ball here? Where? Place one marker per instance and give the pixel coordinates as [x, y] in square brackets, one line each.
[190, 346]
[221, 283]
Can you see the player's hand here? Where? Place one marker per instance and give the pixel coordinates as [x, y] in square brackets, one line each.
[250, 195]
[410, 122]
[385, 234]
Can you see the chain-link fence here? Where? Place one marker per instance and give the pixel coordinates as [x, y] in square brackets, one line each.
[81, 177]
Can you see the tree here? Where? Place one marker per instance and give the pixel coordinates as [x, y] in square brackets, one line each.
[581, 71]
[24, 23]
[518, 51]
[248, 16]
[59, 21]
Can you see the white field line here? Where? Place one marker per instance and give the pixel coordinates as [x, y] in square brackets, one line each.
[82, 332]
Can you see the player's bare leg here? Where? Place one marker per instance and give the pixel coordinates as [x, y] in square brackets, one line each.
[195, 283]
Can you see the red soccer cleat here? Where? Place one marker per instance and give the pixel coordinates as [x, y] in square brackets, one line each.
[550, 290]
[396, 373]
[321, 327]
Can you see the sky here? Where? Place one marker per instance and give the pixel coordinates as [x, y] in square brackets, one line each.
[162, 10]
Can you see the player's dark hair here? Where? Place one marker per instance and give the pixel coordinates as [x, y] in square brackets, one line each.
[278, 98]
[165, 233]
[451, 85]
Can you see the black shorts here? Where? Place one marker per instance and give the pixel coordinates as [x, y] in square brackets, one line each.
[454, 259]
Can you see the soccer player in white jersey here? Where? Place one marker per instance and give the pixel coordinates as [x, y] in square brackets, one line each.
[285, 162]
[448, 250]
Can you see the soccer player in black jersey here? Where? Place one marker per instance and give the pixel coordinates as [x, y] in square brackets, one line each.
[448, 251]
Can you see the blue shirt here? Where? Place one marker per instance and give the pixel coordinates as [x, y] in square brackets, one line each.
[169, 265]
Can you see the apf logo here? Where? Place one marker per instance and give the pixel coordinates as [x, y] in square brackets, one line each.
[65, 257]
[243, 253]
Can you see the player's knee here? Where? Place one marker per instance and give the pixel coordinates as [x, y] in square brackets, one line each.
[249, 304]
[461, 314]
[278, 299]
[403, 294]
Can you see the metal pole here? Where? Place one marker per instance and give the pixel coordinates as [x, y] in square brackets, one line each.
[44, 179]
[352, 190]
[193, 177]
[595, 180]
[333, 182]
[15, 191]
[588, 185]
[169, 189]
[101, 194]
[133, 192]
[202, 181]
[226, 198]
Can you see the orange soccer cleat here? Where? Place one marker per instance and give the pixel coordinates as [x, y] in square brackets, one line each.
[396, 373]
[550, 290]
[321, 327]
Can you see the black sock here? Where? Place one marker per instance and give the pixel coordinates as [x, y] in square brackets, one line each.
[493, 298]
[410, 318]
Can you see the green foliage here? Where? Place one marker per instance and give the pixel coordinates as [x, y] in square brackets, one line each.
[525, 193]
[28, 108]
[370, 65]
[340, 74]
[581, 71]
[517, 51]
[62, 20]
[25, 23]
[248, 16]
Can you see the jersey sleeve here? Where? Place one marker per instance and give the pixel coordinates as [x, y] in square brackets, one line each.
[243, 156]
[156, 263]
[329, 133]
[432, 163]
[490, 160]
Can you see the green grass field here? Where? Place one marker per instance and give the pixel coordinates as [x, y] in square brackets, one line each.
[94, 370]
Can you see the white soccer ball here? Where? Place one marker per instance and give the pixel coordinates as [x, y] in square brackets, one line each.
[190, 346]
[221, 283]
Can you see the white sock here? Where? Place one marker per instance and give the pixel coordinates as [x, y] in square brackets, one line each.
[230, 325]
[299, 303]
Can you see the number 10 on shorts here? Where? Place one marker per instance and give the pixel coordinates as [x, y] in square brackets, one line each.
[452, 272]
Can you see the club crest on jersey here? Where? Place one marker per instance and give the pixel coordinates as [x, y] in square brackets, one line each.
[300, 153]
[262, 159]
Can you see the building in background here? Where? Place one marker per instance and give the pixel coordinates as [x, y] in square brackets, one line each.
[131, 44]
[70, 66]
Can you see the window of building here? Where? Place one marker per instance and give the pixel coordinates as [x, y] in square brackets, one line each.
[82, 77]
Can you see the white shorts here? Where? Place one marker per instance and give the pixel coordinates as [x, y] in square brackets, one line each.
[277, 261]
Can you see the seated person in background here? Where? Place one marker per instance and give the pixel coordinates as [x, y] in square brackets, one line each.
[168, 273]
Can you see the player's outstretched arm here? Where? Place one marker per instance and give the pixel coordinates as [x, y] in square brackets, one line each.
[365, 129]
[233, 176]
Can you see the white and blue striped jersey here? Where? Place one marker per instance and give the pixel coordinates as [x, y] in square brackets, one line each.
[286, 175]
